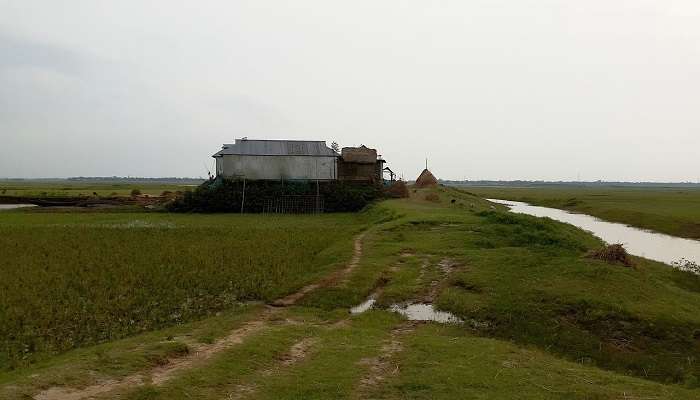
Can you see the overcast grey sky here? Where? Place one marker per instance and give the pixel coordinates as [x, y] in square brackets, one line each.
[487, 89]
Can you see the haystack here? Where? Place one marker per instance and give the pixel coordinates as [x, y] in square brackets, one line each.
[612, 254]
[426, 179]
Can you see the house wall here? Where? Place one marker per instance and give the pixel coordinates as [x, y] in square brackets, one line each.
[277, 167]
[359, 172]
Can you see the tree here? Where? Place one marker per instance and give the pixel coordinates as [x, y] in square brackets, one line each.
[335, 147]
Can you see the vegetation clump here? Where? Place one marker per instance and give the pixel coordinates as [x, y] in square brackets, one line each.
[398, 190]
[612, 254]
[234, 195]
[432, 197]
[686, 266]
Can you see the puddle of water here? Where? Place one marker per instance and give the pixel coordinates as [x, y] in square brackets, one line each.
[365, 306]
[14, 206]
[414, 312]
[425, 312]
[652, 245]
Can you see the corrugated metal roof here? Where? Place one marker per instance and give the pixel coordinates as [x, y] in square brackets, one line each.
[277, 148]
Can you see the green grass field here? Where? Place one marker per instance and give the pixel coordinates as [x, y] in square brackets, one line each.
[68, 280]
[668, 210]
[541, 320]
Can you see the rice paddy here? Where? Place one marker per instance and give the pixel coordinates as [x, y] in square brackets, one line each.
[70, 280]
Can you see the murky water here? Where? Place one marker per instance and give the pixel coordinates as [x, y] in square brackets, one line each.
[425, 312]
[13, 206]
[365, 306]
[651, 245]
[414, 312]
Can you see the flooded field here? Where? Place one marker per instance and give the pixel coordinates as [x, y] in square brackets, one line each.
[648, 244]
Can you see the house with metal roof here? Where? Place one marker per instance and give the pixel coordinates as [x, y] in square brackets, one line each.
[277, 160]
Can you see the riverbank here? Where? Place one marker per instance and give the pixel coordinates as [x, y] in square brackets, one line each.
[674, 211]
[660, 247]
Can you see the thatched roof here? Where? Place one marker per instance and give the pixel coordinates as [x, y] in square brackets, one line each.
[426, 179]
[359, 155]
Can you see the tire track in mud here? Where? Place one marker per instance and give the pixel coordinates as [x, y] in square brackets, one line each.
[384, 366]
[161, 374]
[296, 354]
[340, 276]
[202, 353]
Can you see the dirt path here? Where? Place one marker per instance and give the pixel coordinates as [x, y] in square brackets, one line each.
[384, 365]
[294, 355]
[335, 277]
[446, 267]
[161, 374]
[202, 353]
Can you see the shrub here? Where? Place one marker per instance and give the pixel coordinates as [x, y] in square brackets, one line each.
[398, 190]
[135, 192]
[686, 266]
[432, 197]
[226, 195]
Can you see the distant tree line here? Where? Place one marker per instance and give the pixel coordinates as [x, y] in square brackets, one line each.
[122, 179]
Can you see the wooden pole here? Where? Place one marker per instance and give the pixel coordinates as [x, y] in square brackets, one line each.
[243, 197]
[318, 199]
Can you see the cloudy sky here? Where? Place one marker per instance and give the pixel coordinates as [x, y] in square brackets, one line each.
[486, 89]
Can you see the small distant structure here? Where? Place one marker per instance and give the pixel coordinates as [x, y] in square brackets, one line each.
[360, 164]
[392, 174]
[426, 178]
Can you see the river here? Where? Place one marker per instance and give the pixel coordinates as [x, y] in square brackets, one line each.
[652, 245]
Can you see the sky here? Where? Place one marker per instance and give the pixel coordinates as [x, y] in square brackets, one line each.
[485, 89]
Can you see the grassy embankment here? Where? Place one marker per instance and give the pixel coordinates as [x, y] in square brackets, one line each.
[669, 210]
[541, 321]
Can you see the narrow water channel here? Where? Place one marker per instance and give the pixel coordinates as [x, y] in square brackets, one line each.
[652, 245]
[13, 206]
